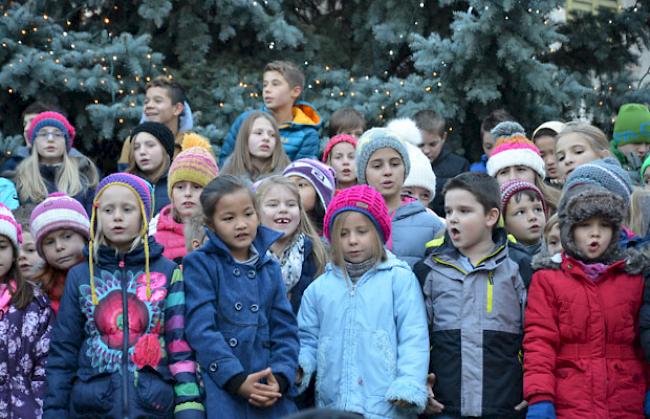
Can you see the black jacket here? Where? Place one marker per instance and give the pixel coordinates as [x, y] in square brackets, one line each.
[446, 166]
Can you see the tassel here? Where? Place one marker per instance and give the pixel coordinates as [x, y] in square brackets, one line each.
[90, 257]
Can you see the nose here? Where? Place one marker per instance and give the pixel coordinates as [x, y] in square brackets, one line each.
[187, 190]
[59, 244]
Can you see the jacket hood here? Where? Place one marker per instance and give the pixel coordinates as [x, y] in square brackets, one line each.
[304, 114]
[391, 262]
[409, 209]
[166, 221]
[637, 261]
[263, 241]
[109, 258]
[447, 250]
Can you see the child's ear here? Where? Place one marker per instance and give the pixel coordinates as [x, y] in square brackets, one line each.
[295, 92]
[492, 217]
[178, 108]
[443, 137]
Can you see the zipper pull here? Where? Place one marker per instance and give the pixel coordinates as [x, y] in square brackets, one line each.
[354, 288]
[120, 264]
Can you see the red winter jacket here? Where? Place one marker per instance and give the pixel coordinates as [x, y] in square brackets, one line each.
[169, 234]
[581, 342]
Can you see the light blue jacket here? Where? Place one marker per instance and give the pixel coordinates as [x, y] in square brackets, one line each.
[413, 227]
[368, 343]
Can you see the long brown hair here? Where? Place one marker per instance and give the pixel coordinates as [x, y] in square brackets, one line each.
[157, 174]
[24, 293]
[241, 163]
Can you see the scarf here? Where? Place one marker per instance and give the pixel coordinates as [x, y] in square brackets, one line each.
[356, 270]
[291, 261]
[593, 270]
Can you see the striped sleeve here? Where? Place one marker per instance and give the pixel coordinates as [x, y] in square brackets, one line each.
[180, 355]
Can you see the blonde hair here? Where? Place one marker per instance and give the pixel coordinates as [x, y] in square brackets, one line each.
[30, 183]
[378, 251]
[241, 163]
[304, 226]
[638, 216]
[551, 194]
[593, 135]
[157, 174]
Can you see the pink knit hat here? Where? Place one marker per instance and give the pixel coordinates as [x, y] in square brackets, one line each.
[58, 212]
[513, 187]
[363, 199]
[340, 138]
[51, 119]
[512, 148]
[9, 227]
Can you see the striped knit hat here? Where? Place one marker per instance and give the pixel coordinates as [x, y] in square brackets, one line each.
[607, 173]
[10, 228]
[195, 163]
[51, 119]
[142, 191]
[320, 175]
[58, 212]
[363, 199]
[512, 148]
[513, 187]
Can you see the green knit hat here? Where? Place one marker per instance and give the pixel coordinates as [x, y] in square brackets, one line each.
[632, 125]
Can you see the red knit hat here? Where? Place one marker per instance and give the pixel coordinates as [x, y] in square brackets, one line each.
[340, 138]
[363, 199]
[51, 119]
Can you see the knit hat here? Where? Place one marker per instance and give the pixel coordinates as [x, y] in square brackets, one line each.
[340, 138]
[513, 187]
[421, 174]
[632, 125]
[320, 175]
[582, 202]
[160, 131]
[195, 163]
[555, 126]
[607, 173]
[58, 212]
[363, 199]
[512, 148]
[406, 129]
[10, 228]
[51, 119]
[375, 139]
[142, 190]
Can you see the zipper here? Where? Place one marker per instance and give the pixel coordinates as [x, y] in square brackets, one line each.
[442, 262]
[125, 342]
[490, 290]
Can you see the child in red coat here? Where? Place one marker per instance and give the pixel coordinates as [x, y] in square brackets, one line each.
[581, 335]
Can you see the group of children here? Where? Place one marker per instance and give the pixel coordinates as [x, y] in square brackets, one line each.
[389, 279]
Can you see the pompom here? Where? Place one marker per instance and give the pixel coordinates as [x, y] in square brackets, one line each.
[406, 130]
[507, 129]
[192, 139]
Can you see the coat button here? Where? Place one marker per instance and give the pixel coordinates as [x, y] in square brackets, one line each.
[238, 306]
[232, 342]
[236, 272]
[255, 308]
[251, 274]
[213, 367]
[266, 344]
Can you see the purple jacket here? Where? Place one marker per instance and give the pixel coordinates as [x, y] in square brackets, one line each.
[24, 344]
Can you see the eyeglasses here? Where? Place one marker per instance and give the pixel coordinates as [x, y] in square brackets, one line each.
[57, 135]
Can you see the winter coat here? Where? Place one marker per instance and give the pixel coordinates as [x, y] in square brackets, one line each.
[95, 369]
[479, 166]
[581, 340]
[239, 321]
[445, 167]
[300, 136]
[524, 255]
[169, 234]
[307, 276]
[24, 344]
[160, 195]
[476, 323]
[367, 342]
[413, 227]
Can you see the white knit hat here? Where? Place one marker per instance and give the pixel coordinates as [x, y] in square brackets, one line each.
[9, 227]
[421, 174]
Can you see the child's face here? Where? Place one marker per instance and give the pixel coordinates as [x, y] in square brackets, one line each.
[385, 172]
[432, 144]
[27, 119]
[50, 145]
[308, 194]
[280, 210]
[63, 248]
[276, 91]
[30, 263]
[593, 236]
[148, 152]
[357, 237]
[553, 243]
[572, 151]
[6, 256]
[355, 132]
[185, 198]
[261, 140]
[342, 161]
[515, 173]
[487, 141]
[235, 222]
[639, 150]
[419, 193]
[120, 217]
[158, 106]
[468, 224]
[546, 145]
[525, 219]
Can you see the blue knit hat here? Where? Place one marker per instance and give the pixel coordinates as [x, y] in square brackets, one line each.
[606, 172]
[375, 139]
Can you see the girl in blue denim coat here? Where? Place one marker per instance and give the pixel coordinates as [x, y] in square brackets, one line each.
[362, 324]
[239, 320]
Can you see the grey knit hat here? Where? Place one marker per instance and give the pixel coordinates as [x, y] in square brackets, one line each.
[375, 139]
[607, 173]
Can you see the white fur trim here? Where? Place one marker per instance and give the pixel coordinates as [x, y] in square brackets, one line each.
[516, 157]
[406, 130]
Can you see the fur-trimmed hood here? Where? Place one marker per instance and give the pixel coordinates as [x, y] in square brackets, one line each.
[637, 261]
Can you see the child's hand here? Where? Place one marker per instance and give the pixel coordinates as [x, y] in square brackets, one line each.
[247, 389]
[265, 395]
[433, 405]
[402, 404]
[299, 374]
